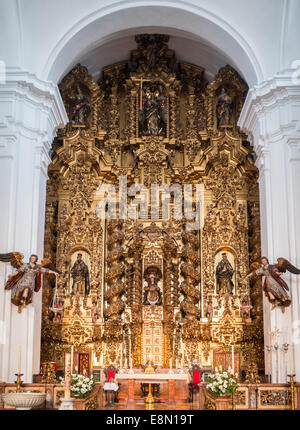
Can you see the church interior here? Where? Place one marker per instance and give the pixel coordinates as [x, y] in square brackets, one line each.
[155, 213]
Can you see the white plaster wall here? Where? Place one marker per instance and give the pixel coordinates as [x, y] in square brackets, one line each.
[30, 112]
[271, 118]
[48, 37]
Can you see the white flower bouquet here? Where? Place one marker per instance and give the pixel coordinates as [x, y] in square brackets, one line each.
[222, 383]
[81, 386]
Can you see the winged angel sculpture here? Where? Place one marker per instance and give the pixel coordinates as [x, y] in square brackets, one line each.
[27, 278]
[274, 287]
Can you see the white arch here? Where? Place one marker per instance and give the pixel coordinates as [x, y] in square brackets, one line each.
[134, 16]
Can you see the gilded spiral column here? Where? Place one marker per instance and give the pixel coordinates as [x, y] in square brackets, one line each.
[114, 272]
[170, 252]
[191, 276]
[135, 252]
[255, 255]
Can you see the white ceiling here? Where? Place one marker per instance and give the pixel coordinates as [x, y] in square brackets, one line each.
[186, 49]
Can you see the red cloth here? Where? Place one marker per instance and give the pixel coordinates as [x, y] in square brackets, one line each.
[38, 281]
[196, 377]
[52, 362]
[110, 375]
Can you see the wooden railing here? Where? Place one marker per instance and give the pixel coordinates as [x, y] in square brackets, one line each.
[256, 397]
[55, 392]
[248, 396]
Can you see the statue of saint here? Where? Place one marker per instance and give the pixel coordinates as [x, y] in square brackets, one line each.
[152, 294]
[80, 108]
[224, 108]
[245, 308]
[95, 312]
[224, 272]
[80, 275]
[209, 311]
[59, 311]
[152, 116]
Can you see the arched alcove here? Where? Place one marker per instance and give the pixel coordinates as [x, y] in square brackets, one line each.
[99, 32]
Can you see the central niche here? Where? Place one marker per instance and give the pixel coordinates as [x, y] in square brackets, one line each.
[153, 109]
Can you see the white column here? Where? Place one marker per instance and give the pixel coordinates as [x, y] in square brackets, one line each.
[30, 112]
[271, 119]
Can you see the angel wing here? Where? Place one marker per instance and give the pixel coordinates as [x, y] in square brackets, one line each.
[14, 258]
[283, 265]
[47, 264]
[254, 266]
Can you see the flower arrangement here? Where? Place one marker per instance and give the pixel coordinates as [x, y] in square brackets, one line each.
[81, 386]
[222, 383]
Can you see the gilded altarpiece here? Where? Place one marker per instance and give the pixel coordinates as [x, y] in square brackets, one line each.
[155, 288]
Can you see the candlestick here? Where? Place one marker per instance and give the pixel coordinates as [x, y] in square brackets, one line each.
[19, 382]
[292, 389]
[19, 359]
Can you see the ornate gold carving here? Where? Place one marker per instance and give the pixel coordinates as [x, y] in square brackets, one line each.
[196, 148]
[275, 398]
[91, 404]
[209, 404]
[240, 398]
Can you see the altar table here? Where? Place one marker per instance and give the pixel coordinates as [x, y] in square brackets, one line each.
[154, 378]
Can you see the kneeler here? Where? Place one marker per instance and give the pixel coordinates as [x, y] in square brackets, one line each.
[194, 385]
[110, 377]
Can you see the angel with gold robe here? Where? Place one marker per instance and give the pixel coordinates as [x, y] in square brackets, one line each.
[274, 287]
[27, 278]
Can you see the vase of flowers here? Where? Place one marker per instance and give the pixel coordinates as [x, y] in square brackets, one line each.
[81, 386]
[222, 386]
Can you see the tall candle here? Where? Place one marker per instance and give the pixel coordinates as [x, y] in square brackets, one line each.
[121, 354]
[19, 360]
[67, 376]
[170, 363]
[72, 357]
[232, 358]
[290, 358]
[67, 385]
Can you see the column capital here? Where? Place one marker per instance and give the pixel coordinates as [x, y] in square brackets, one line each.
[271, 111]
[32, 107]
